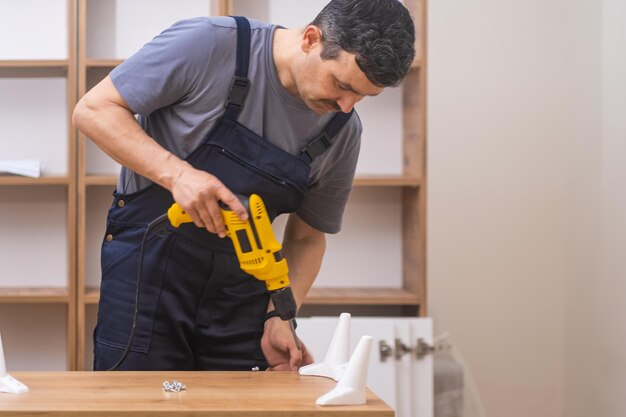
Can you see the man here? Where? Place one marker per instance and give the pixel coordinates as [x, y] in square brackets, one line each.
[227, 108]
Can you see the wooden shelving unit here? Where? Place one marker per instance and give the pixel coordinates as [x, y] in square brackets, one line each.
[360, 181]
[8, 180]
[102, 63]
[100, 180]
[90, 183]
[35, 63]
[82, 185]
[330, 296]
[34, 295]
[11, 294]
[411, 183]
[361, 296]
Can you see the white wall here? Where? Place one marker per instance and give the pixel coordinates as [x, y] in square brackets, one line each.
[497, 202]
[526, 200]
[596, 372]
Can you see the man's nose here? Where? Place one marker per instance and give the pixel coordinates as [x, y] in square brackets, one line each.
[347, 102]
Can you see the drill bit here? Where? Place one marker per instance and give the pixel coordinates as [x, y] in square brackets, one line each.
[293, 332]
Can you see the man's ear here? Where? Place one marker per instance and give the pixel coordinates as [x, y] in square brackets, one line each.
[311, 38]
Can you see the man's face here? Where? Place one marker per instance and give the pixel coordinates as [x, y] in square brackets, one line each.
[332, 85]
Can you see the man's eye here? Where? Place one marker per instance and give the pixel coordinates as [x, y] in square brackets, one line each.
[342, 87]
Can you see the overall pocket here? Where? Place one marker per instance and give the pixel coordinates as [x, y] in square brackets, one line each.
[118, 291]
[245, 178]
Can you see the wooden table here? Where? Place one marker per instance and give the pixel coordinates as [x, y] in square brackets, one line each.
[134, 394]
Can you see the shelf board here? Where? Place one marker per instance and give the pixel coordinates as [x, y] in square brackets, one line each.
[359, 181]
[92, 295]
[331, 296]
[361, 296]
[17, 180]
[386, 181]
[101, 180]
[34, 295]
[35, 63]
[102, 63]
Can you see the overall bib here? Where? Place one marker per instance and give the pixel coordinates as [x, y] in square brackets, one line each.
[196, 309]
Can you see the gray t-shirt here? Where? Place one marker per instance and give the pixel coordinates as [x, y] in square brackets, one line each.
[178, 83]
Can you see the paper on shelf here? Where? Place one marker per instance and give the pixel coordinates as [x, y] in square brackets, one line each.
[25, 167]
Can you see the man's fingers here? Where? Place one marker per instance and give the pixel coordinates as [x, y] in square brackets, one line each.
[295, 357]
[202, 218]
[199, 194]
[209, 216]
[231, 200]
[195, 216]
[215, 214]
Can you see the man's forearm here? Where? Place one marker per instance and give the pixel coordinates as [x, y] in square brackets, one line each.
[304, 248]
[104, 117]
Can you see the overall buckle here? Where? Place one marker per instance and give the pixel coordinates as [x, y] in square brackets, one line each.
[317, 146]
[238, 91]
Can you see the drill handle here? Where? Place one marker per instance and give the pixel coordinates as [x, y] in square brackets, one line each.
[177, 215]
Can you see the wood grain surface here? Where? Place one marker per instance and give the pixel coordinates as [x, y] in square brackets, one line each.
[230, 394]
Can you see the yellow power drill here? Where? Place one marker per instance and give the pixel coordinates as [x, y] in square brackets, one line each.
[257, 250]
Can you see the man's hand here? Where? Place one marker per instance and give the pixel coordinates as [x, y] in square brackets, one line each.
[105, 117]
[198, 193]
[279, 347]
[303, 247]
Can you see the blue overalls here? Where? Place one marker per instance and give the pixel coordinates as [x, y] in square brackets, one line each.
[196, 309]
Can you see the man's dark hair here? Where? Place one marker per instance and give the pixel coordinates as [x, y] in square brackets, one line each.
[380, 33]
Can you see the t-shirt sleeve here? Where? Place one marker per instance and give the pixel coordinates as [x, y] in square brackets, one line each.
[325, 200]
[167, 68]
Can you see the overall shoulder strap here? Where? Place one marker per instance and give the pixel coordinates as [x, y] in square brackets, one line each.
[318, 146]
[240, 83]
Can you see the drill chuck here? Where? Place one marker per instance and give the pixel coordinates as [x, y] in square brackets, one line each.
[284, 303]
